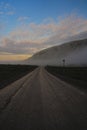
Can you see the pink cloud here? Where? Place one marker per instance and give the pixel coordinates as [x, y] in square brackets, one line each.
[27, 39]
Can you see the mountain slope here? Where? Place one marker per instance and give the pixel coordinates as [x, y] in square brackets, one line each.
[74, 53]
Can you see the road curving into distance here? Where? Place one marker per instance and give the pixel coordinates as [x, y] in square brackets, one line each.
[40, 101]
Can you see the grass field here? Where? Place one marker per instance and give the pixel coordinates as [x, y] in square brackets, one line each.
[74, 75]
[10, 73]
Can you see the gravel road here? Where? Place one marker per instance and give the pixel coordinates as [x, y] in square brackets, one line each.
[40, 101]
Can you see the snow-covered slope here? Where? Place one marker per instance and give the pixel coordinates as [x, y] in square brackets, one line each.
[74, 53]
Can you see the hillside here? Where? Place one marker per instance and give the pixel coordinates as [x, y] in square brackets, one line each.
[74, 53]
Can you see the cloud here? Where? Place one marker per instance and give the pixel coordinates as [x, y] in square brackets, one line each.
[32, 37]
[18, 47]
[6, 9]
[1, 12]
[10, 13]
[12, 57]
[1, 26]
[21, 19]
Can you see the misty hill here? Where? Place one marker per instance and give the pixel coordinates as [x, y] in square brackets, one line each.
[74, 53]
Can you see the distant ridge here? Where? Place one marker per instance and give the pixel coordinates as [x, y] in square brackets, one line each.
[74, 53]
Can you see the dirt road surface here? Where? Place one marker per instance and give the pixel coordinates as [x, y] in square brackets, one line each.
[40, 101]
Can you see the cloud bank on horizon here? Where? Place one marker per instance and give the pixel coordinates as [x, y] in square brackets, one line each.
[28, 37]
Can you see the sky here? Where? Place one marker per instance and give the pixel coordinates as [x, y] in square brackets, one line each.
[28, 26]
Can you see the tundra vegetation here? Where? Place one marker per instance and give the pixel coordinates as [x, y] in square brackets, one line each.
[74, 75]
[11, 73]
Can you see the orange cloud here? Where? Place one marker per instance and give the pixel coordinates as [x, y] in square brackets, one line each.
[30, 38]
[11, 57]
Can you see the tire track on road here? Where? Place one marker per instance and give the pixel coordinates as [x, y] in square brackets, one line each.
[20, 84]
[44, 102]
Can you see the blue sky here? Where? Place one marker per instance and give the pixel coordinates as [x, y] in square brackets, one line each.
[31, 24]
[37, 10]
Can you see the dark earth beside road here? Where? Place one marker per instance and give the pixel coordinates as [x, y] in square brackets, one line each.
[40, 101]
[76, 76]
[11, 73]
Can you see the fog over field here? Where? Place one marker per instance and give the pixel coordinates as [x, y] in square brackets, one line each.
[43, 64]
[74, 53]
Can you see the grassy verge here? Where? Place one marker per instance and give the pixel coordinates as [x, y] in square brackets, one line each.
[74, 75]
[11, 73]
